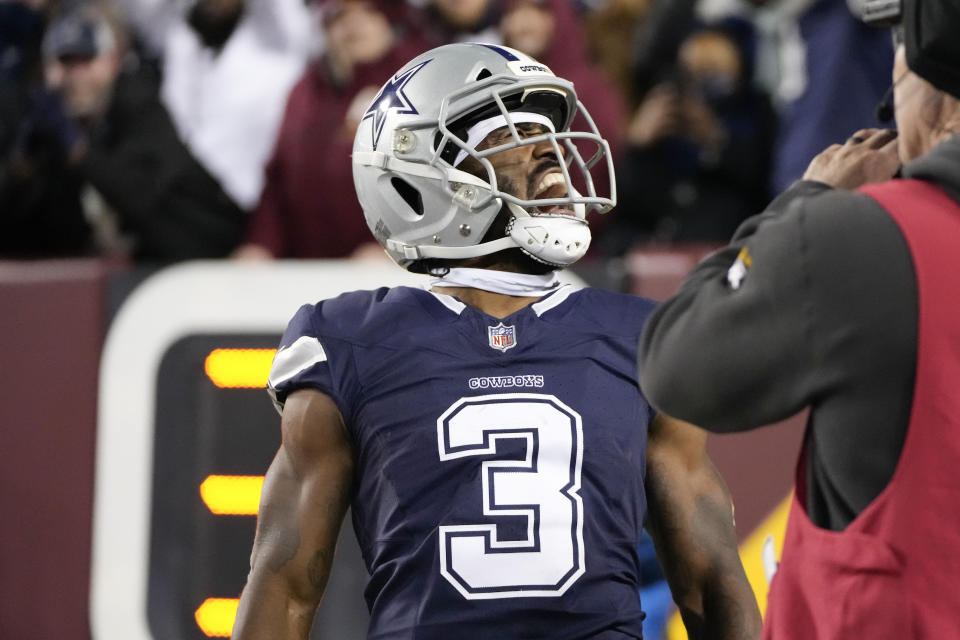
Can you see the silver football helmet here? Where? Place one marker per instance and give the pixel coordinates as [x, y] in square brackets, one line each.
[431, 115]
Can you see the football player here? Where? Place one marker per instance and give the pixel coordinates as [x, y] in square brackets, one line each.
[487, 430]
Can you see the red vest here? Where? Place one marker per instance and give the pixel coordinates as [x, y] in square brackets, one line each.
[894, 573]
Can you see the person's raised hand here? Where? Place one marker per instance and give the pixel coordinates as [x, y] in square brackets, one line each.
[869, 155]
[657, 117]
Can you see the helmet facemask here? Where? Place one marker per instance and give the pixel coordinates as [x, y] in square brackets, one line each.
[549, 223]
[534, 103]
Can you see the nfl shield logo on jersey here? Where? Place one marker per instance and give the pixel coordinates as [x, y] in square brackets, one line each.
[502, 337]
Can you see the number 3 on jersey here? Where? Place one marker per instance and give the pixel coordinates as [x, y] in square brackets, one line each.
[542, 486]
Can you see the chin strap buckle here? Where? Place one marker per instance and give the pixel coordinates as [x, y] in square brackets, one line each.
[556, 240]
[409, 252]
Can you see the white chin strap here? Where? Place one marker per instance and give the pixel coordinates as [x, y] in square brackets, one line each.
[557, 240]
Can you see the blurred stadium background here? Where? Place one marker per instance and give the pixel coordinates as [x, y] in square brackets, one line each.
[134, 429]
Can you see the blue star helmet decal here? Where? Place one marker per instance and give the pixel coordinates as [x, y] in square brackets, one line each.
[391, 97]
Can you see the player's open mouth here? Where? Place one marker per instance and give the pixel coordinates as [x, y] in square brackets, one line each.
[552, 185]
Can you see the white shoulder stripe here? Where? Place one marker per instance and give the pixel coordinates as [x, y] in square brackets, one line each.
[449, 302]
[555, 300]
[305, 352]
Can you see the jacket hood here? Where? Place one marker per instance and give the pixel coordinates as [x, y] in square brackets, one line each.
[941, 166]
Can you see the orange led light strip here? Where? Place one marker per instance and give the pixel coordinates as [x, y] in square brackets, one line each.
[239, 368]
[216, 615]
[232, 495]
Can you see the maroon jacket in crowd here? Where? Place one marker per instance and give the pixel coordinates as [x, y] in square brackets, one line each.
[309, 208]
[568, 58]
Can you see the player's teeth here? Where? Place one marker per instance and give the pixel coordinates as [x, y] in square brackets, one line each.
[548, 181]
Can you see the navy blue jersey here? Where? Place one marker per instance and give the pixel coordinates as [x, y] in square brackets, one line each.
[499, 463]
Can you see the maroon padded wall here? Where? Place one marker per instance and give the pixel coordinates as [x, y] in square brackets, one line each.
[51, 333]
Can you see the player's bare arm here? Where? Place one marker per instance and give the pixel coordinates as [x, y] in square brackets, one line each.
[305, 496]
[691, 522]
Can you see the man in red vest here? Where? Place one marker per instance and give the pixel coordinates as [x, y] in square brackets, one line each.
[844, 297]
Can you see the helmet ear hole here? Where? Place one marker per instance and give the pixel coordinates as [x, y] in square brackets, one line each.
[409, 194]
[484, 73]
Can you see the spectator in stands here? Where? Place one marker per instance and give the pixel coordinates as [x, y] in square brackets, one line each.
[228, 66]
[549, 30]
[446, 21]
[21, 29]
[96, 163]
[657, 42]
[831, 71]
[611, 27]
[699, 145]
[309, 208]
[825, 70]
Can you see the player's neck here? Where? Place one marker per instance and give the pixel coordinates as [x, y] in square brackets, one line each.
[496, 292]
[498, 305]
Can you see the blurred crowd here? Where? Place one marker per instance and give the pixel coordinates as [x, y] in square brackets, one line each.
[160, 130]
